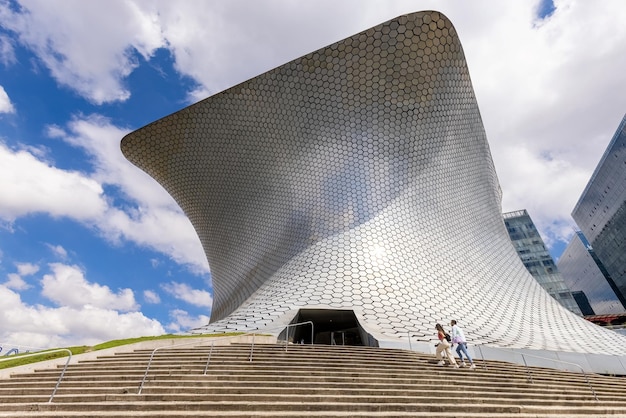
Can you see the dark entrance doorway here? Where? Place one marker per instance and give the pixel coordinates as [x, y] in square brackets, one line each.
[333, 327]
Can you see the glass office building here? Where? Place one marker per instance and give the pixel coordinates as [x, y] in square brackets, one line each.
[582, 270]
[537, 259]
[601, 211]
[583, 302]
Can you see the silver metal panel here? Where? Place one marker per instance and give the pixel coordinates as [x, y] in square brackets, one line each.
[357, 177]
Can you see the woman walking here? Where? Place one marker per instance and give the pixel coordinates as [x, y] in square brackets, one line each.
[444, 347]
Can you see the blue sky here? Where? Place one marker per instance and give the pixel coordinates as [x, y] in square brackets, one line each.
[92, 249]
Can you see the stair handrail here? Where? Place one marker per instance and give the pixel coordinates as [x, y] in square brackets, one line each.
[206, 367]
[557, 361]
[213, 340]
[44, 353]
[528, 368]
[295, 325]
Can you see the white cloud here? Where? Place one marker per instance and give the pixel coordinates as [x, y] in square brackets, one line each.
[184, 292]
[44, 327]
[151, 296]
[30, 185]
[67, 286]
[58, 250]
[182, 321]
[547, 188]
[5, 103]
[75, 41]
[15, 281]
[27, 269]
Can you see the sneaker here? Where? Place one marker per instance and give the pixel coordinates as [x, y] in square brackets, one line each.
[441, 363]
[456, 366]
[472, 366]
[463, 364]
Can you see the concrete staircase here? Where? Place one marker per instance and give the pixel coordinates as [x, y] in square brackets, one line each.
[304, 380]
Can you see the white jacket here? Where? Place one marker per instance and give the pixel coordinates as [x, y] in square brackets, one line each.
[457, 335]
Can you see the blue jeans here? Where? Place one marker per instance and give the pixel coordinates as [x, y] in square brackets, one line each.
[462, 347]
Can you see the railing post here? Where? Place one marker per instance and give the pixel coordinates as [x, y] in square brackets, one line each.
[48, 352]
[409, 335]
[206, 367]
[482, 357]
[589, 384]
[61, 377]
[530, 377]
[558, 361]
[251, 348]
[145, 375]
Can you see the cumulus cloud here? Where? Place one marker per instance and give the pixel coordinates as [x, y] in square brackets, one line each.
[182, 321]
[67, 286]
[26, 269]
[549, 202]
[184, 292]
[88, 313]
[30, 185]
[75, 42]
[39, 326]
[16, 282]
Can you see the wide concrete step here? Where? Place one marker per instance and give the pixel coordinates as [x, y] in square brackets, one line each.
[8, 395]
[313, 382]
[262, 386]
[438, 407]
[279, 366]
[325, 414]
[286, 414]
[454, 377]
[306, 360]
[410, 397]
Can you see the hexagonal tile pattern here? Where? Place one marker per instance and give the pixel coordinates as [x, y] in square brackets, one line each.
[357, 177]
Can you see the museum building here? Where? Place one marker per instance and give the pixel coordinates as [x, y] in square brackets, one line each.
[354, 188]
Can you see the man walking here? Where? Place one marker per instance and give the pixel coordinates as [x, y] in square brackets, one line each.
[458, 338]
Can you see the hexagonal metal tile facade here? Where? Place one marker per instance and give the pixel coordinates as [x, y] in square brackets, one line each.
[357, 177]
